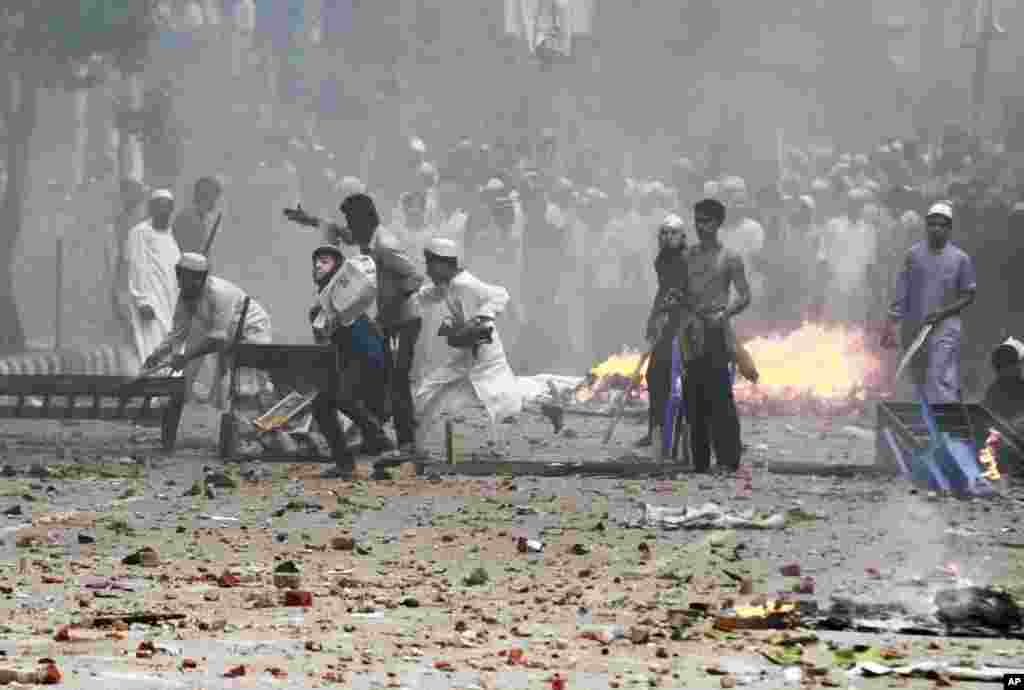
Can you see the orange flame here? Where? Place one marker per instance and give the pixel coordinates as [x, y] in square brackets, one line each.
[829, 365]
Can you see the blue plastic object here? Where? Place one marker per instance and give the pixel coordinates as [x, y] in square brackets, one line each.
[947, 463]
[674, 401]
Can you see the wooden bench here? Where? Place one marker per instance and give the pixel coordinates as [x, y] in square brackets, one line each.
[144, 402]
[304, 368]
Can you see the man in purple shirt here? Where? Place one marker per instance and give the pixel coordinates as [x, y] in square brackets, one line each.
[935, 284]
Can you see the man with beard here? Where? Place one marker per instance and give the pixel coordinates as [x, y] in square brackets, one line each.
[663, 323]
[362, 353]
[151, 256]
[192, 228]
[205, 322]
[477, 370]
[936, 283]
[708, 342]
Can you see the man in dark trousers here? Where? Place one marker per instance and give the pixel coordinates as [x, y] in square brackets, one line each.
[709, 342]
[362, 354]
[397, 312]
[663, 323]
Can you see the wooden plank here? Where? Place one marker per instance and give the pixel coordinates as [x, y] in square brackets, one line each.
[272, 357]
[888, 419]
[42, 385]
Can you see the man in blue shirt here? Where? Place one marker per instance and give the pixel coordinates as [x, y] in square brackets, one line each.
[936, 283]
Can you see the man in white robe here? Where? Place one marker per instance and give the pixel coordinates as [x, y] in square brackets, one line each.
[479, 373]
[206, 320]
[151, 256]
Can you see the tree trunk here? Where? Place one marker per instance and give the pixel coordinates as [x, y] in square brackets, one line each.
[22, 100]
[129, 148]
[80, 153]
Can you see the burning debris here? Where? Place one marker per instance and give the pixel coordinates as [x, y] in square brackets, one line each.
[815, 369]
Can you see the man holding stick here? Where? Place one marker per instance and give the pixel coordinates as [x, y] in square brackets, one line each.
[205, 319]
[935, 285]
[663, 323]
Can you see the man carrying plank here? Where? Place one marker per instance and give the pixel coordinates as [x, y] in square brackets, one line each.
[936, 283]
[205, 320]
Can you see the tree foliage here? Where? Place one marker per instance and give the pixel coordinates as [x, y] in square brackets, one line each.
[54, 37]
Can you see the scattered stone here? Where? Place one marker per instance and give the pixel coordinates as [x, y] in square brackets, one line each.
[220, 480]
[39, 471]
[343, 543]
[147, 557]
[86, 539]
[476, 578]
[12, 511]
[8, 471]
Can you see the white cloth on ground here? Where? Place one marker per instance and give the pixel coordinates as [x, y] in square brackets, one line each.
[152, 256]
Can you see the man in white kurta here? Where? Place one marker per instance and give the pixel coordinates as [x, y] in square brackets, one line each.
[151, 256]
[479, 375]
[206, 320]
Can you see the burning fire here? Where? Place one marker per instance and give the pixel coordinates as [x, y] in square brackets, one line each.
[822, 368]
[987, 456]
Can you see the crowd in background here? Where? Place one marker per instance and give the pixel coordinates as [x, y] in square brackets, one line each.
[570, 231]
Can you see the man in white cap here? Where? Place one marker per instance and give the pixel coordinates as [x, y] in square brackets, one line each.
[1005, 396]
[663, 322]
[206, 320]
[476, 369]
[934, 286]
[151, 255]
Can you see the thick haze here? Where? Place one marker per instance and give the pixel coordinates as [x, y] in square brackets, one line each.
[652, 82]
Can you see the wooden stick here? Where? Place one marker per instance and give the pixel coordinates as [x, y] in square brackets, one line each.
[621, 406]
[213, 235]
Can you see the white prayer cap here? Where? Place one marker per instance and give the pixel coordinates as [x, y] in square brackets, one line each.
[734, 184]
[673, 222]
[711, 189]
[860, 194]
[1009, 350]
[442, 247]
[494, 185]
[943, 209]
[911, 219]
[351, 185]
[190, 261]
[161, 194]
[820, 184]
[427, 169]
[417, 145]
[808, 202]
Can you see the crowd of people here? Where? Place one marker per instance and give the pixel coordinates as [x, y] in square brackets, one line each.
[565, 250]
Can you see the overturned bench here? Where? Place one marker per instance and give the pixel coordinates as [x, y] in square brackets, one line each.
[302, 368]
[152, 402]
